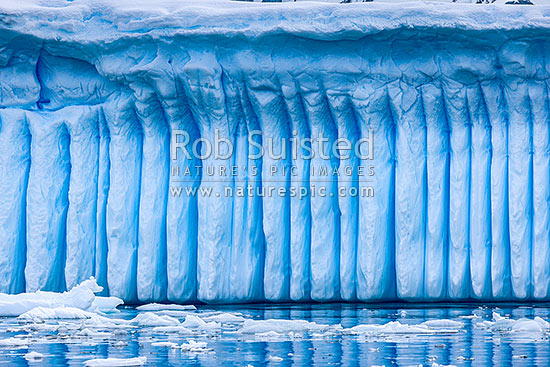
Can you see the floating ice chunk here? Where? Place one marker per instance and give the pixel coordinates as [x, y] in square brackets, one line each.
[151, 319]
[172, 329]
[522, 328]
[14, 343]
[195, 322]
[543, 323]
[106, 304]
[161, 307]
[529, 326]
[34, 356]
[93, 334]
[274, 358]
[171, 313]
[164, 344]
[282, 326]
[470, 317]
[39, 314]
[443, 324]
[118, 362]
[82, 296]
[269, 336]
[225, 318]
[396, 328]
[195, 347]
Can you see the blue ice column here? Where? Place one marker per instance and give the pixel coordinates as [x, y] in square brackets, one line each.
[300, 207]
[500, 247]
[538, 92]
[246, 280]
[376, 245]
[104, 165]
[124, 191]
[47, 201]
[480, 205]
[520, 187]
[459, 190]
[272, 115]
[325, 213]
[14, 174]
[437, 164]
[410, 189]
[348, 130]
[182, 215]
[151, 258]
[82, 124]
[203, 88]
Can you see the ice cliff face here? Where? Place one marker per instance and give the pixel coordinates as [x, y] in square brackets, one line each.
[456, 98]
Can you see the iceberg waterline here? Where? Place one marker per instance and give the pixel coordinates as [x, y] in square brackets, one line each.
[458, 107]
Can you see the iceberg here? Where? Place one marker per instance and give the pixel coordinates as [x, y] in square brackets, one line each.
[129, 133]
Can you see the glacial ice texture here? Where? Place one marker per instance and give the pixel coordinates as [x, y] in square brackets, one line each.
[456, 99]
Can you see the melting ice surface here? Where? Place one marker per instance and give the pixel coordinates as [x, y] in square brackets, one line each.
[455, 95]
[71, 332]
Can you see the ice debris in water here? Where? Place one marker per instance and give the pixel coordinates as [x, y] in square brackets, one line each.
[34, 356]
[395, 327]
[118, 362]
[282, 326]
[195, 322]
[225, 317]
[151, 319]
[165, 307]
[523, 327]
[193, 346]
[14, 343]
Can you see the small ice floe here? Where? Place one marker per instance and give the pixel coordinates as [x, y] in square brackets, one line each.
[40, 314]
[225, 318]
[270, 336]
[443, 324]
[469, 317]
[106, 304]
[284, 326]
[164, 307]
[397, 328]
[118, 362]
[271, 358]
[173, 313]
[522, 328]
[15, 343]
[87, 333]
[195, 322]
[195, 347]
[152, 319]
[172, 329]
[164, 345]
[34, 356]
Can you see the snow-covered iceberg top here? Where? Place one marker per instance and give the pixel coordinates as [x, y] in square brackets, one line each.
[105, 21]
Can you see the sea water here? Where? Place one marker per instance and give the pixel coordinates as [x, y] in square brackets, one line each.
[480, 341]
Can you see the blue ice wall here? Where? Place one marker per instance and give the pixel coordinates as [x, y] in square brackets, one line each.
[456, 102]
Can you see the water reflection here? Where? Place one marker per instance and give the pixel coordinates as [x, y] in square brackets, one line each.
[472, 346]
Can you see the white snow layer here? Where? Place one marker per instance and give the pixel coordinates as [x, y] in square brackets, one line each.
[455, 95]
